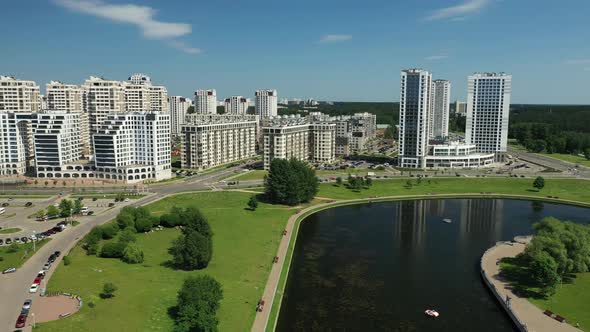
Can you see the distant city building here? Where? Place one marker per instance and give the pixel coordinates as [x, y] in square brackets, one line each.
[441, 99]
[43, 99]
[102, 97]
[19, 95]
[266, 103]
[133, 147]
[488, 105]
[236, 105]
[142, 96]
[460, 107]
[16, 142]
[178, 110]
[308, 139]
[206, 101]
[68, 98]
[415, 103]
[210, 140]
[355, 133]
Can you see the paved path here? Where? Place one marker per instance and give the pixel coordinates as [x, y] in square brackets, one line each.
[527, 312]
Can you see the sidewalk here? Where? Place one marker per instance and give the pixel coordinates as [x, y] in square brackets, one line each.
[533, 317]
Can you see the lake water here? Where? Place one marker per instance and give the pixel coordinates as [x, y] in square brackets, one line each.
[377, 267]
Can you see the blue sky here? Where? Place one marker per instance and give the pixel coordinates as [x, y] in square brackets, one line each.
[329, 50]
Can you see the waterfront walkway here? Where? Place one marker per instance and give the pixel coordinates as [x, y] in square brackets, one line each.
[530, 315]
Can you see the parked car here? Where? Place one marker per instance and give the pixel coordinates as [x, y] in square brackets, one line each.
[24, 239]
[111, 204]
[9, 270]
[17, 240]
[46, 266]
[27, 204]
[8, 241]
[24, 312]
[34, 288]
[51, 259]
[89, 213]
[57, 253]
[5, 204]
[37, 281]
[21, 321]
[1, 242]
[94, 199]
[41, 275]
[27, 304]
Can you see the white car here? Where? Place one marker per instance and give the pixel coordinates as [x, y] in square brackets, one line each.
[34, 288]
[46, 266]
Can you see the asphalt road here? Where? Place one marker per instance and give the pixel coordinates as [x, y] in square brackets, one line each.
[564, 166]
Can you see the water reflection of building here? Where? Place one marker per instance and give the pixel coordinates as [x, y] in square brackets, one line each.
[435, 207]
[481, 216]
[410, 226]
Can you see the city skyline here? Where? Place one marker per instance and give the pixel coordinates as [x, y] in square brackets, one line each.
[323, 57]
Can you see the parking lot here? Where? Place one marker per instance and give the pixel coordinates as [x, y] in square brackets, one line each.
[19, 216]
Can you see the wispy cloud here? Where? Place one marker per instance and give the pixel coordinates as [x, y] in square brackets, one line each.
[458, 12]
[334, 38]
[140, 16]
[577, 61]
[436, 57]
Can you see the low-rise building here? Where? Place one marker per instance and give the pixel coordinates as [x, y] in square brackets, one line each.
[457, 155]
[210, 140]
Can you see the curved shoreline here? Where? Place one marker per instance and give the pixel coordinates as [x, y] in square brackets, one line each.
[525, 315]
[277, 280]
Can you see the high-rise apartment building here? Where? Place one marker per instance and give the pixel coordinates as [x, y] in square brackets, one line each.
[441, 99]
[236, 105]
[133, 147]
[266, 103]
[16, 142]
[210, 140]
[19, 95]
[415, 104]
[142, 96]
[488, 106]
[178, 108]
[460, 107]
[322, 142]
[68, 98]
[102, 97]
[57, 141]
[206, 101]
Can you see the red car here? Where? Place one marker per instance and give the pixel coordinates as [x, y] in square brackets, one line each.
[37, 281]
[21, 321]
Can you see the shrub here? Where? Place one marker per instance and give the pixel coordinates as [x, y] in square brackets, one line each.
[67, 260]
[143, 225]
[132, 254]
[108, 290]
[170, 220]
[253, 203]
[109, 231]
[112, 250]
[12, 248]
[127, 235]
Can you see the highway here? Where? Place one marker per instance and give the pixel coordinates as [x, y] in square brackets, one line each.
[564, 166]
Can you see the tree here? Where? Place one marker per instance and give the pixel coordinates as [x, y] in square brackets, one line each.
[77, 207]
[113, 250]
[40, 214]
[65, 208]
[368, 182]
[126, 218]
[587, 153]
[197, 304]
[339, 181]
[195, 221]
[127, 235]
[143, 225]
[52, 211]
[290, 182]
[253, 203]
[108, 290]
[544, 270]
[191, 251]
[132, 254]
[109, 231]
[67, 260]
[539, 183]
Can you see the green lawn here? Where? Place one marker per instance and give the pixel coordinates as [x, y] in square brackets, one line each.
[259, 174]
[574, 189]
[570, 158]
[244, 244]
[252, 175]
[16, 259]
[10, 230]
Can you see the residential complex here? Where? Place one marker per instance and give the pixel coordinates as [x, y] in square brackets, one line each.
[354, 133]
[310, 138]
[415, 103]
[441, 100]
[266, 103]
[206, 101]
[210, 140]
[236, 105]
[488, 106]
[16, 142]
[423, 111]
[178, 110]
[19, 95]
[142, 96]
[460, 107]
[102, 97]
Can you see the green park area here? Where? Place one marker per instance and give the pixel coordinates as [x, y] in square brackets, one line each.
[10, 230]
[244, 244]
[15, 255]
[578, 160]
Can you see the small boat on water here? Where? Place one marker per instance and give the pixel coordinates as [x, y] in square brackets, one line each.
[432, 313]
[447, 221]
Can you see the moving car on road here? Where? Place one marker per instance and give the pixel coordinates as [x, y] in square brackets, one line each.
[9, 270]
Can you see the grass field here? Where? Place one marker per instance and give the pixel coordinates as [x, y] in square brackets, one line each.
[10, 230]
[570, 158]
[573, 189]
[16, 259]
[244, 244]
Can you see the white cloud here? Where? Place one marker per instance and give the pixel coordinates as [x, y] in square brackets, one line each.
[140, 16]
[458, 12]
[436, 57]
[334, 38]
[577, 62]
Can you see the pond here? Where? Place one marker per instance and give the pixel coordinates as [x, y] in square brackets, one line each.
[378, 266]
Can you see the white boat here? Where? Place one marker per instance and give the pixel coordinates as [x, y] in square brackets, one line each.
[432, 313]
[447, 220]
